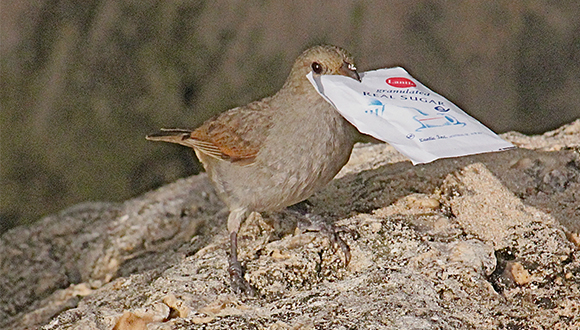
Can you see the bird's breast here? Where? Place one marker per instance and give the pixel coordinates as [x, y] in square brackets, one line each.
[306, 150]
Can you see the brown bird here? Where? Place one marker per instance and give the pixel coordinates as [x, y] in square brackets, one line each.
[275, 152]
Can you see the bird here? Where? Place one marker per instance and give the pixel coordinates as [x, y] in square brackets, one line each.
[275, 152]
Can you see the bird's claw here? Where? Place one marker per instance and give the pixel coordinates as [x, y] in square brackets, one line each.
[331, 232]
[239, 284]
[337, 240]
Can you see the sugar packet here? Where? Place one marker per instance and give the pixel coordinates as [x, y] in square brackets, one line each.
[394, 107]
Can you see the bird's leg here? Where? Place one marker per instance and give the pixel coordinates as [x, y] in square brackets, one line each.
[312, 222]
[239, 283]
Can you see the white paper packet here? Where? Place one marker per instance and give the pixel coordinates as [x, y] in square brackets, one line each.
[394, 107]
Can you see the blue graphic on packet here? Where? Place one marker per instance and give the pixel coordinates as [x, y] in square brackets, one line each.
[437, 118]
[376, 107]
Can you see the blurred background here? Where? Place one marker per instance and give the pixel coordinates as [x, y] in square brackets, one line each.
[82, 82]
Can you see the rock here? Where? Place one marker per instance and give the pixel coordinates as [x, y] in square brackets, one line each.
[486, 242]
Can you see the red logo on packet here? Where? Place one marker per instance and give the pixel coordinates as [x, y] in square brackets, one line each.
[401, 82]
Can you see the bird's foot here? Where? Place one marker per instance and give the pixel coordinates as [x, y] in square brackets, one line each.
[311, 222]
[238, 282]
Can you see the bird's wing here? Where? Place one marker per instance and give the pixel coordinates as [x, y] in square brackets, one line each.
[235, 135]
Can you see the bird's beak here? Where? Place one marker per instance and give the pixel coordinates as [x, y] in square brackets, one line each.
[349, 70]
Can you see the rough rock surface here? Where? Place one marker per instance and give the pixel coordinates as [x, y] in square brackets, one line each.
[482, 242]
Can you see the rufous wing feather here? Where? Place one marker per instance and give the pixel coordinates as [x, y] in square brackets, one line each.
[227, 136]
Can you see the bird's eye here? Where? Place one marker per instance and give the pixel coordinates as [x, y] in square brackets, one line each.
[316, 67]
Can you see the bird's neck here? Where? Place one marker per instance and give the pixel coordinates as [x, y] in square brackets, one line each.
[298, 89]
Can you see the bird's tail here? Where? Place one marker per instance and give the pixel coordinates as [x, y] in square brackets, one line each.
[173, 135]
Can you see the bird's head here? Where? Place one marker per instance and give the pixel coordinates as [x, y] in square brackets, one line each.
[321, 60]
